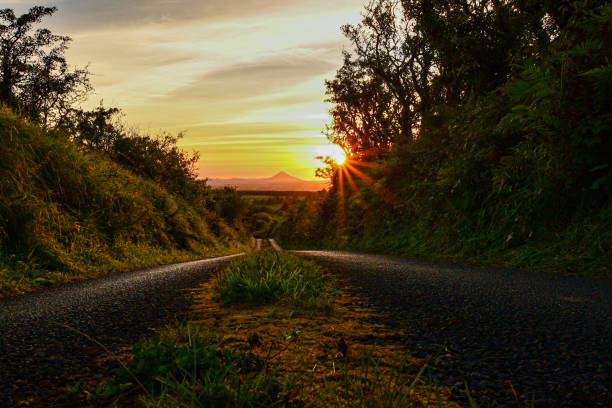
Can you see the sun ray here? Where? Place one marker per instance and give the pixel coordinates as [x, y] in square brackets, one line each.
[349, 179]
[341, 208]
[387, 195]
[362, 163]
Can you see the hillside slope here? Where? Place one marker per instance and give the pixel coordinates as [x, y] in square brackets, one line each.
[66, 214]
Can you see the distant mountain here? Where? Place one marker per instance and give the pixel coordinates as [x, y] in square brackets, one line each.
[279, 182]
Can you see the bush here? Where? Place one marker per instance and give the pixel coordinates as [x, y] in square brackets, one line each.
[65, 213]
[156, 158]
[501, 178]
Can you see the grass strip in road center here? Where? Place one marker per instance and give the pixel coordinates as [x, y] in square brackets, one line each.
[281, 349]
[270, 277]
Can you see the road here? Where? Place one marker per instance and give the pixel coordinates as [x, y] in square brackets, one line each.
[544, 334]
[38, 354]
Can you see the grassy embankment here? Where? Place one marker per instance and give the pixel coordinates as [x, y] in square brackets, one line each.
[271, 330]
[580, 246]
[66, 214]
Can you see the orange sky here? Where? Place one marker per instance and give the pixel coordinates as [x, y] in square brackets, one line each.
[243, 78]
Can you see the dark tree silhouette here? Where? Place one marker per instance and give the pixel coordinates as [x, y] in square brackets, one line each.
[35, 78]
[411, 59]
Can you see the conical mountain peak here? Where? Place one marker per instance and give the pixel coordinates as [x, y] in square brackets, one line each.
[283, 175]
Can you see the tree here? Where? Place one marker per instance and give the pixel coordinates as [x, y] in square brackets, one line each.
[34, 76]
[98, 129]
[379, 93]
[412, 60]
[365, 117]
[328, 169]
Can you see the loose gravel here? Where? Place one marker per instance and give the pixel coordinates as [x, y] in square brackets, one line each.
[38, 354]
[547, 335]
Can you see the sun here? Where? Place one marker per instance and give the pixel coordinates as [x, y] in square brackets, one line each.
[336, 153]
[332, 151]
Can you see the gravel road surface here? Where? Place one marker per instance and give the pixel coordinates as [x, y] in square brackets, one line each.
[547, 335]
[38, 355]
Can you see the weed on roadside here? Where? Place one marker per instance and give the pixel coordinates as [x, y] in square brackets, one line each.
[268, 277]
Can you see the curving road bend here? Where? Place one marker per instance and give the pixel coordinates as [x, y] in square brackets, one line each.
[38, 354]
[547, 335]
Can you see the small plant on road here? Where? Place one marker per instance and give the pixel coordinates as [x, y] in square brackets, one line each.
[268, 277]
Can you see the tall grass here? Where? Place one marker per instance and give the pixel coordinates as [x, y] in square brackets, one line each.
[269, 276]
[66, 214]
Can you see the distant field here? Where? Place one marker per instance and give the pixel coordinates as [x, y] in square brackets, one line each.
[255, 193]
[268, 209]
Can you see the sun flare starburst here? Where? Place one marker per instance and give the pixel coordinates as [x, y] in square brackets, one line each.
[339, 156]
[333, 151]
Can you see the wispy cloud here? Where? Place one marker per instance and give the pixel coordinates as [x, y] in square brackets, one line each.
[254, 78]
[254, 66]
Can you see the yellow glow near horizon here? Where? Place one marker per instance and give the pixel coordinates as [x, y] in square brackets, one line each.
[243, 78]
[333, 151]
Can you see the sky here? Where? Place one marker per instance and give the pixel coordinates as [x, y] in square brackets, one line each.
[243, 78]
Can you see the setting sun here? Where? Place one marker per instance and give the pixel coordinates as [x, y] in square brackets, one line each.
[336, 153]
[243, 79]
[330, 150]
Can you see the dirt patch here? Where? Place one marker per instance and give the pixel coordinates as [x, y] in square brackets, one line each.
[338, 359]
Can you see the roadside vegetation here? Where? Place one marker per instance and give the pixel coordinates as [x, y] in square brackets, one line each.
[68, 214]
[249, 353]
[80, 194]
[476, 132]
[271, 277]
[267, 210]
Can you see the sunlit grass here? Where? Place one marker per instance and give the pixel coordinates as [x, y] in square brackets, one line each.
[66, 214]
[269, 276]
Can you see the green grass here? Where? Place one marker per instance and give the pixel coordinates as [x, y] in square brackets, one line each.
[66, 214]
[268, 277]
[581, 248]
[185, 367]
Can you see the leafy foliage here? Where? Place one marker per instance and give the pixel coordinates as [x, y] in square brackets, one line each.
[65, 213]
[506, 155]
[228, 203]
[35, 79]
[156, 158]
[413, 57]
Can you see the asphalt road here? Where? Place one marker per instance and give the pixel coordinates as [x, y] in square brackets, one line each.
[546, 335]
[38, 353]
[549, 336]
